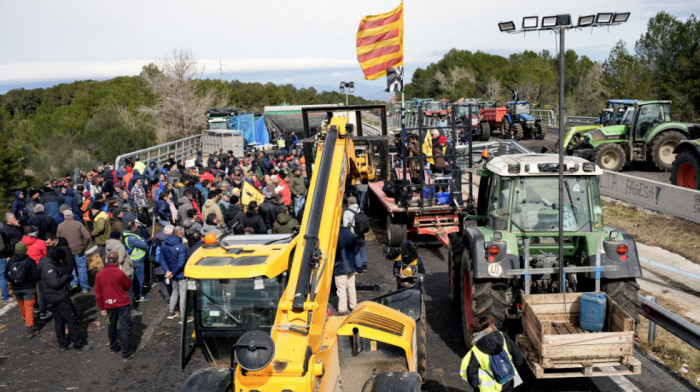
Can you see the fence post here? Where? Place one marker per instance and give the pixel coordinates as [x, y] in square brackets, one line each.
[652, 325]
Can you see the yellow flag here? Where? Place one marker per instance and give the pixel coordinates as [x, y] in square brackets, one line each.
[249, 193]
[428, 148]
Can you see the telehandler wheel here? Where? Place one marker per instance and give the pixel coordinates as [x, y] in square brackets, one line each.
[208, 379]
[395, 231]
[422, 346]
[454, 262]
[662, 149]
[516, 131]
[540, 131]
[686, 170]
[610, 156]
[624, 293]
[505, 128]
[485, 131]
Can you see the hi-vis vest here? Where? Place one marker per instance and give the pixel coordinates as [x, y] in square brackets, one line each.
[136, 254]
[486, 381]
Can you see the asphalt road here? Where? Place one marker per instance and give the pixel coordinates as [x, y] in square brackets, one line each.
[37, 365]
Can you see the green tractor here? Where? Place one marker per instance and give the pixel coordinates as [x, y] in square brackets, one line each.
[647, 132]
[509, 243]
[610, 115]
[686, 167]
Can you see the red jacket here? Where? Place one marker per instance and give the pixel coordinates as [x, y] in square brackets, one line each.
[111, 285]
[36, 248]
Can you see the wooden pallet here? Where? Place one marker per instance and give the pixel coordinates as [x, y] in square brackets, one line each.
[577, 366]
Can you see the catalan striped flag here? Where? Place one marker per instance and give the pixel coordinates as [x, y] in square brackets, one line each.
[380, 42]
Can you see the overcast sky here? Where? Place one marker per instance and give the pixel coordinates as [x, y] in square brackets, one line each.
[303, 42]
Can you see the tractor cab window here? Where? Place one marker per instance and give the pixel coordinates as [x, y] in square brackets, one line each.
[535, 204]
[499, 201]
[521, 108]
[628, 116]
[666, 109]
[649, 117]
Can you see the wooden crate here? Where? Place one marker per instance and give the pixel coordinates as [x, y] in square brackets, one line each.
[552, 338]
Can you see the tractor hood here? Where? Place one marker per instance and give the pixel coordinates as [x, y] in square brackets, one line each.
[528, 117]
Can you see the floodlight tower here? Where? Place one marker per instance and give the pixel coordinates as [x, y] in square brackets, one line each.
[559, 24]
[347, 88]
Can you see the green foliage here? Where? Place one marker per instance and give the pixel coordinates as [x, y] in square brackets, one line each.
[11, 170]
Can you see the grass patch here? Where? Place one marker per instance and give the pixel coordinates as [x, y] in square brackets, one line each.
[650, 228]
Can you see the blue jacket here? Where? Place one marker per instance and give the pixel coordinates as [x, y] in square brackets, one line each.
[52, 202]
[19, 210]
[345, 253]
[163, 210]
[151, 172]
[174, 254]
[70, 200]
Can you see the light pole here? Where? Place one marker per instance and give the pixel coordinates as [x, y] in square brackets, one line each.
[347, 87]
[559, 24]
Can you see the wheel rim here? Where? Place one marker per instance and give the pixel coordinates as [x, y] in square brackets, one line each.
[467, 299]
[610, 159]
[686, 175]
[666, 154]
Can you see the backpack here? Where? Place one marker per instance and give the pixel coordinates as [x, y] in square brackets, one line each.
[361, 223]
[501, 366]
[17, 272]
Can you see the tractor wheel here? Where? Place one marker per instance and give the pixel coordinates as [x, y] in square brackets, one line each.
[480, 297]
[624, 293]
[454, 262]
[505, 126]
[686, 170]
[516, 131]
[610, 156]
[485, 131]
[540, 131]
[395, 231]
[422, 345]
[662, 149]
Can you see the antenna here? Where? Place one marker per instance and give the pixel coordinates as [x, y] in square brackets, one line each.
[221, 70]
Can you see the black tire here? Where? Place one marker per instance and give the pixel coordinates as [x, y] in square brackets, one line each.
[454, 266]
[686, 170]
[395, 231]
[422, 344]
[662, 147]
[466, 299]
[610, 156]
[484, 131]
[624, 293]
[540, 130]
[516, 131]
[505, 127]
[208, 379]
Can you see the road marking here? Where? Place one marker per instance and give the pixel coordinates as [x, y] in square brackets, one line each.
[621, 381]
[7, 307]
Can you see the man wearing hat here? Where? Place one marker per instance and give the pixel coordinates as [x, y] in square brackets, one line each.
[100, 228]
[112, 297]
[56, 291]
[212, 207]
[23, 274]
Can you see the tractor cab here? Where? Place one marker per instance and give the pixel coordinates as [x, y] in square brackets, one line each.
[518, 108]
[649, 116]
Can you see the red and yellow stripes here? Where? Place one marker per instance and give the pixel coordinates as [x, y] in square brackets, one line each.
[380, 42]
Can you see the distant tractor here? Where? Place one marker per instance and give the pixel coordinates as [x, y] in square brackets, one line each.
[686, 168]
[519, 122]
[487, 104]
[482, 131]
[432, 108]
[646, 132]
[610, 115]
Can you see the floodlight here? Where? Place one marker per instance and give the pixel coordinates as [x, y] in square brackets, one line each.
[603, 18]
[530, 22]
[342, 87]
[352, 87]
[587, 20]
[549, 22]
[506, 26]
[564, 20]
[621, 17]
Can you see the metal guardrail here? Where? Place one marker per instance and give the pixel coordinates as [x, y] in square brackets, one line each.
[411, 121]
[669, 321]
[182, 149]
[546, 116]
[580, 120]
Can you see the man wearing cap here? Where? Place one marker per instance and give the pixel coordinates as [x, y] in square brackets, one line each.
[57, 293]
[100, 228]
[115, 221]
[24, 286]
[349, 222]
[212, 207]
[78, 239]
[112, 297]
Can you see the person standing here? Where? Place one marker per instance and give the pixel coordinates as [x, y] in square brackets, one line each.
[344, 271]
[349, 217]
[137, 248]
[158, 263]
[112, 298]
[284, 222]
[298, 189]
[114, 244]
[174, 255]
[23, 274]
[57, 292]
[100, 229]
[11, 233]
[488, 342]
[78, 240]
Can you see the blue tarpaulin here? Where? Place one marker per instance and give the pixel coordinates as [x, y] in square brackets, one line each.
[261, 134]
[246, 123]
